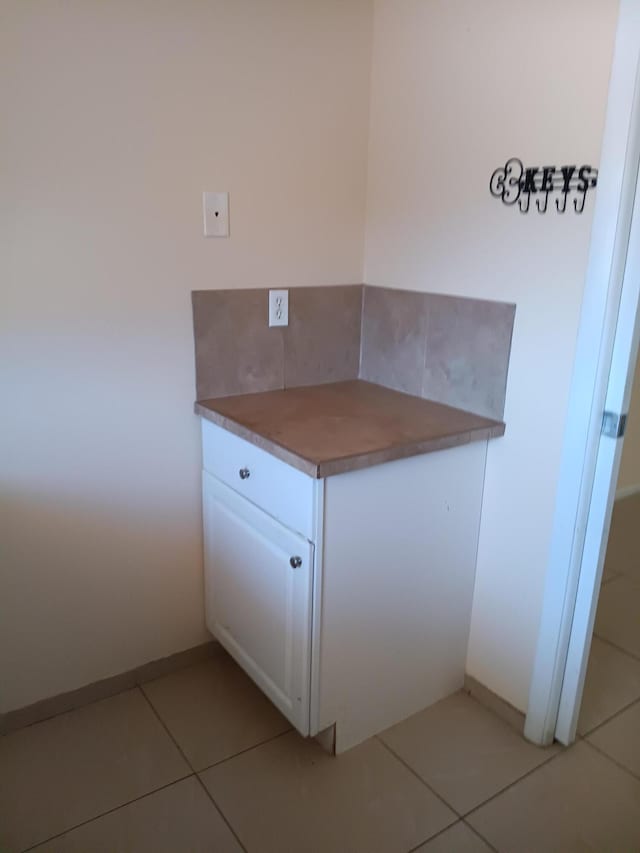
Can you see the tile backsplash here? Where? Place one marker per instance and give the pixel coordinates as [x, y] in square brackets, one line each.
[449, 349]
[467, 353]
[394, 336]
[445, 348]
[322, 340]
[237, 352]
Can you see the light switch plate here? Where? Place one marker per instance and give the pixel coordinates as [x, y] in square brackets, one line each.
[215, 209]
[278, 307]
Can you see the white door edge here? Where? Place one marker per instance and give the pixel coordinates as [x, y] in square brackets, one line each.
[608, 458]
[594, 351]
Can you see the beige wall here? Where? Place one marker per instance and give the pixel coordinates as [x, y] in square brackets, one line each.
[115, 117]
[458, 87]
[629, 475]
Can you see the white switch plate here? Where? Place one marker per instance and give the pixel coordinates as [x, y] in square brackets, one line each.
[278, 307]
[215, 209]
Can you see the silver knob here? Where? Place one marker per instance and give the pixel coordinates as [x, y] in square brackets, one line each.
[295, 562]
[245, 473]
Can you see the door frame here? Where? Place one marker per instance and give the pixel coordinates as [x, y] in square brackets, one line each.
[575, 560]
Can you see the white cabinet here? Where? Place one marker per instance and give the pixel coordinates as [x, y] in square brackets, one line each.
[258, 596]
[372, 625]
[283, 491]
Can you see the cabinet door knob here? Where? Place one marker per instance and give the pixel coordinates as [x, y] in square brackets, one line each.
[295, 562]
[245, 473]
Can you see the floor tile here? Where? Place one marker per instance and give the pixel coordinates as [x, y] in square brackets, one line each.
[620, 738]
[178, 818]
[612, 683]
[618, 615]
[609, 575]
[463, 751]
[623, 546]
[579, 801]
[632, 570]
[214, 710]
[288, 796]
[458, 839]
[58, 773]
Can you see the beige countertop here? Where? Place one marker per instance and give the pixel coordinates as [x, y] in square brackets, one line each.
[329, 429]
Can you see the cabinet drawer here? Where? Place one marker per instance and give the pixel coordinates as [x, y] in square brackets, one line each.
[282, 491]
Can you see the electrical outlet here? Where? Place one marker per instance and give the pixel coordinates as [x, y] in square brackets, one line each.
[215, 210]
[278, 307]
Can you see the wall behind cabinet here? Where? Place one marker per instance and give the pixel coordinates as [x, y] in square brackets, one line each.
[115, 117]
[459, 86]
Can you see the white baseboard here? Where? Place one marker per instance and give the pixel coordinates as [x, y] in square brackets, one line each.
[627, 492]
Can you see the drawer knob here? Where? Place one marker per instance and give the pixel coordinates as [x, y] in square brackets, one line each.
[245, 473]
[295, 562]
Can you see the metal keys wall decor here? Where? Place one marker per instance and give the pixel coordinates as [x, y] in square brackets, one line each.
[514, 183]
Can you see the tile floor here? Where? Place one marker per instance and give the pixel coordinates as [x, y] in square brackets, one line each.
[199, 760]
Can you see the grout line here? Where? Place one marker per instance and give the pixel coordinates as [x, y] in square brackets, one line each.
[617, 647]
[283, 339]
[480, 836]
[446, 829]
[362, 306]
[616, 577]
[417, 775]
[164, 726]
[204, 787]
[432, 837]
[608, 719]
[107, 695]
[242, 751]
[427, 337]
[215, 763]
[533, 770]
[610, 758]
[464, 815]
[221, 813]
[107, 812]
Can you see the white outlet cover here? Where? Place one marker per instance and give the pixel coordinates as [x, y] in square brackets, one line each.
[215, 211]
[278, 307]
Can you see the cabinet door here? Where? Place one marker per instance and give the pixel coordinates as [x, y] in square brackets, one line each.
[258, 577]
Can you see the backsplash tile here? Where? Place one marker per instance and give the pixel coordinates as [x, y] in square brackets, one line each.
[467, 353]
[393, 338]
[322, 340]
[449, 349]
[236, 351]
